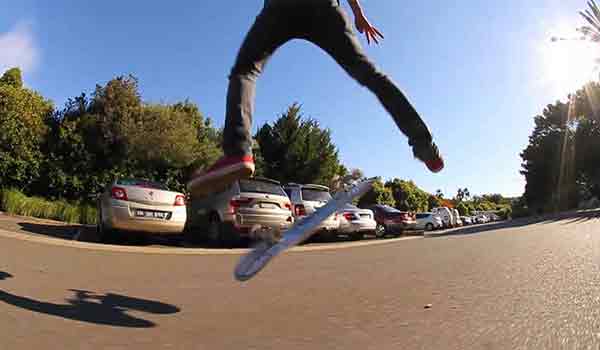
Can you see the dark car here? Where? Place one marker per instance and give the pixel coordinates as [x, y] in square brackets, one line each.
[392, 221]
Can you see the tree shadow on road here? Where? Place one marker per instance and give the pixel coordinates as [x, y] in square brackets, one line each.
[110, 309]
[56, 231]
[568, 218]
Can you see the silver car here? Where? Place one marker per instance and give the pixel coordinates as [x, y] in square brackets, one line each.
[306, 199]
[356, 222]
[429, 222]
[140, 206]
[239, 211]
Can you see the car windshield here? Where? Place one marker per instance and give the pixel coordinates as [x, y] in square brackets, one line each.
[142, 183]
[257, 186]
[422, 216]
[315, 195]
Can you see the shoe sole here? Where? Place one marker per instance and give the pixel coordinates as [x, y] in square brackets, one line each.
[218, 180]
[435, 171]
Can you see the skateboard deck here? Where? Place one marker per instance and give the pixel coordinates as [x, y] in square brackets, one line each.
[253, 262]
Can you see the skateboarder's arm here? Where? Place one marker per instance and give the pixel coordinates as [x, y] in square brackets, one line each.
[362, 23]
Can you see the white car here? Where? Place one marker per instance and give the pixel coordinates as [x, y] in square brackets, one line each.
[136, 205]
[482, 219]
[466, 220]
[456, 218]
[429, 221]
[356, 222]
[445, 214]
[306, 199]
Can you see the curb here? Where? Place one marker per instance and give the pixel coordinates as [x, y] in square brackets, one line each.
[185, 251]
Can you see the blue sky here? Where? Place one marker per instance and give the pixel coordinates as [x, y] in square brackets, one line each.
[477, 71]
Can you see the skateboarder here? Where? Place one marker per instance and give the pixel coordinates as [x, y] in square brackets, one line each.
[324, 23]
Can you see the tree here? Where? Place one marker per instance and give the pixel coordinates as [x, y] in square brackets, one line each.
[439, 194]
[434, 202]
[345, 178]
[464, 209]
[462, 194]
[379, 194]
[12, 77]
[114, 134]
[408, 196]
[592, 16]
[23, 115]
[295, 149]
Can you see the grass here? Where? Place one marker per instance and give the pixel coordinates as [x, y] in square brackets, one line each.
[16, 203]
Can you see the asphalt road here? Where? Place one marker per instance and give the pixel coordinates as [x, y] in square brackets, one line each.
[523, 285]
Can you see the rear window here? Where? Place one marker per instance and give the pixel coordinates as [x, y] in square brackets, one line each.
[142, 183]
[422, 216]
[255, 186]
[313, 195]
[390, 210]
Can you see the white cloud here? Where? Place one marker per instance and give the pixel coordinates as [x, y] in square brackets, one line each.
[17, 49]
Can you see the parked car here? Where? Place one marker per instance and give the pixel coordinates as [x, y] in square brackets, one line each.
[446, 215]
[238, 211]
[392, 221]
[466, 220]
[141, 206]
[494, 217]
[456, 218]
[306, 199]
[356, 222]
[429, 221]
[481, 219]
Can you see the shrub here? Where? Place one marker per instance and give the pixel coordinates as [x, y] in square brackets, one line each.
[14, 202]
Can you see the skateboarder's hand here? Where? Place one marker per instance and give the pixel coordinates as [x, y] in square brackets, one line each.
[365, 27]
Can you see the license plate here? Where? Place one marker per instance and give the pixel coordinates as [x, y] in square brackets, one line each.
[267, 206]
[150, 214]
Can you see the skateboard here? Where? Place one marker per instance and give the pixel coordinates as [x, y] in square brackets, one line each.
[253, 262]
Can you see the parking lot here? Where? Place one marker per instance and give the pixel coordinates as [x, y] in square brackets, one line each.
[54, 229]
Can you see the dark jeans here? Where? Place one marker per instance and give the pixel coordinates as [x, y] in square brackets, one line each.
[324, 23]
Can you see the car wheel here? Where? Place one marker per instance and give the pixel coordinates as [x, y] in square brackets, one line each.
[190, 234]
[429, 227]
[380, 231]
[222, 233]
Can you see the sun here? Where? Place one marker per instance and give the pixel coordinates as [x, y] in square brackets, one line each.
[567, 65]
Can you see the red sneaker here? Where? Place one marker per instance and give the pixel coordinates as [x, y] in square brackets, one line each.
[224, 172]
[430, 155]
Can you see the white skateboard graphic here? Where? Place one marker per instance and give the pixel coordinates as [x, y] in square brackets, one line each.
[253, 262]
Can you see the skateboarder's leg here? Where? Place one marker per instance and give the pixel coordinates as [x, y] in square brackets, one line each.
[267, 34]
[336, 36]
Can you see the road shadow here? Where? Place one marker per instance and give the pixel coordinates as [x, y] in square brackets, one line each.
[569, 218]
[109, 309]
[56, 231]
[87, 233]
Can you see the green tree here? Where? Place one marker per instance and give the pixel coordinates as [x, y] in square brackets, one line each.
[23, 115]
[439, 194]
[380, 194]
[464, 209]
[114, 134]
[462, 194]
[295, 149]
[408, 196]
[13, 78]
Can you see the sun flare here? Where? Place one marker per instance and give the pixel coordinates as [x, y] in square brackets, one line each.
[569, 64]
